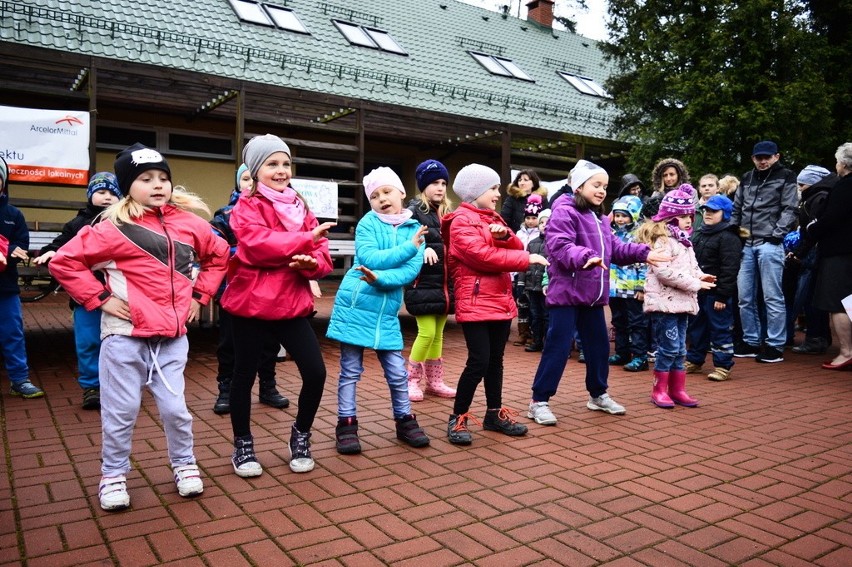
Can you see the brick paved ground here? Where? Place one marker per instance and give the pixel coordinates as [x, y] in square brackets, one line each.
[758, 475]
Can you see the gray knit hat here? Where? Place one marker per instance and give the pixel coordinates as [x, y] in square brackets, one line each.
[261, 147]
[473, 180]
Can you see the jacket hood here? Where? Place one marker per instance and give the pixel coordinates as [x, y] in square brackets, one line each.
[630, 205]
[628, 180]
[824, 184]
[657, 175]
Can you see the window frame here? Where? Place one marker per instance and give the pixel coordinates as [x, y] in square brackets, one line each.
[496, 65]
[364, 36]
[585, 85]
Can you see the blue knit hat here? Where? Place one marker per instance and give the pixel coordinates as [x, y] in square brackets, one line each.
[719, 203]
[242, 169]
[430, 171]
[811, 174]
[103, 180]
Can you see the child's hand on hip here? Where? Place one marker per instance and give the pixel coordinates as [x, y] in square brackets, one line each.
[303, 262]
[117, 308]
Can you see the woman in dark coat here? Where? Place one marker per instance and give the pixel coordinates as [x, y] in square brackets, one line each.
[525, 184]
[834, 270]
[429, 298]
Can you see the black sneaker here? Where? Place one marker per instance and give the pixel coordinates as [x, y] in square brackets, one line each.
[346, 436]
[502, 420]
[812, 346]
[745, 350]
[457, 431]
[270, 396]
[770, 354]
[92, 399]
[408, 430]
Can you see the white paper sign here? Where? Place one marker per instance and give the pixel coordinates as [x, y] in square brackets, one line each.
[320, 195]
[45, 146]
[847, 305]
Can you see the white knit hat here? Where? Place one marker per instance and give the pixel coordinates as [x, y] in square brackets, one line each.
[380, 177]
[473, 180]
[582, 172]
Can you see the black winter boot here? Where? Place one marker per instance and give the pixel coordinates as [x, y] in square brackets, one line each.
[270, 396]
[223, 402]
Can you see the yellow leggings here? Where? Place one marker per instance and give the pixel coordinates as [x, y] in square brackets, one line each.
[429, 343]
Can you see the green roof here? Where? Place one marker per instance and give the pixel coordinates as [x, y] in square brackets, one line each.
[438, 74]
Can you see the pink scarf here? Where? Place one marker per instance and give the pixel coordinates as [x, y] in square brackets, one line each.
[288, 206]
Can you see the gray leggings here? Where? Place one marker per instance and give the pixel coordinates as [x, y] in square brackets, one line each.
[127, 365]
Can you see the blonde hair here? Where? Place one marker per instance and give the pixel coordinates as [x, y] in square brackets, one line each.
[127, 210]
[444, 207]
[728, 185]
[649, 232]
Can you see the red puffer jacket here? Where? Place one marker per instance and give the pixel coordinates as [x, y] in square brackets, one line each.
[260, 283]
[150, 264]
[4, 249]
[479, 264]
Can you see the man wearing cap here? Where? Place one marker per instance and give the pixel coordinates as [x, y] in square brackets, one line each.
[765, 205]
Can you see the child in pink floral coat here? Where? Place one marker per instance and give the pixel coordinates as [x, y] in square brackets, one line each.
[671, 293]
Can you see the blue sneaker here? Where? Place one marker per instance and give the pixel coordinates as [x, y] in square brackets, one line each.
[27, 390]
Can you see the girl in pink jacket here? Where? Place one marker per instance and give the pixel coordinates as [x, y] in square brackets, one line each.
[481, 251]
[671, 293]
[147, 247]
[282, 247]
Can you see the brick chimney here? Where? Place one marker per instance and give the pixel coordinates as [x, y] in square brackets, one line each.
[541, 12]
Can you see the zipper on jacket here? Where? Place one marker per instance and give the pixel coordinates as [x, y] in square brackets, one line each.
[603, 250]
[171, 251]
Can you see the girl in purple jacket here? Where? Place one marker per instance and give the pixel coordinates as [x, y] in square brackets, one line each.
[581, 247]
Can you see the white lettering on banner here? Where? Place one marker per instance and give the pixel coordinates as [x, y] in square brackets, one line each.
[46, 146]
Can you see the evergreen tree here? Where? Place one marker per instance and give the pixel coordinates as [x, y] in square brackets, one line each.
[704, 81]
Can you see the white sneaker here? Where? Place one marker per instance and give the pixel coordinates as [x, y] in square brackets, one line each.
[605, 403]
[112, 492]
[188, 480]
[540, 412]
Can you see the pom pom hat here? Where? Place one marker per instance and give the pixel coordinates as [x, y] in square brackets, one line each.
[533, 206]
[582, 172]
[103, 180]
[676, 203]
[430, 171]
[473, 180]
[259, 149]
[380, 177]
[132, 162]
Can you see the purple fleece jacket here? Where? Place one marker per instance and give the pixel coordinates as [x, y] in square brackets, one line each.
[574, 236]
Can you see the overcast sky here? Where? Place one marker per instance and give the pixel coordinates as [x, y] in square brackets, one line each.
[590, 24]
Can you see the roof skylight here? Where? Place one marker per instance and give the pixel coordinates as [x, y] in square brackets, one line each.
[500, 66]
[584, 84]
[268, 15]
[369, 37]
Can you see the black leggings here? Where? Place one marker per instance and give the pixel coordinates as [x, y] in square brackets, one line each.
[301, 343]
[486, 342]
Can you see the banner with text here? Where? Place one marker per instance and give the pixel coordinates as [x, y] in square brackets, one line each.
[45, 146]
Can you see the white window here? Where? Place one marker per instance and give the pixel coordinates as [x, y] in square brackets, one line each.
[250, 12]
[501, 66]
[369, 37]
[585, 85]
[285, 19]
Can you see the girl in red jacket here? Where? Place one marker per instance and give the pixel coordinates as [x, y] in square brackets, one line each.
[481, 251]
[147, 246]
[282, 247]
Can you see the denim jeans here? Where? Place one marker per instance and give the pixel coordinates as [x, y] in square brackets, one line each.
[670, 330]
[87, 339]
[760, 272]
[12, 345]
[351, 369]
[711, 330]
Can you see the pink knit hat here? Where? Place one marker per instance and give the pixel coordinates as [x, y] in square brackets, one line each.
[680, 201]
[380, 177]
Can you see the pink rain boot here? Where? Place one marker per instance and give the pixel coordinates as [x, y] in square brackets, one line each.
[435, 379]
[677, 389]
[415, 374]
[658, 395]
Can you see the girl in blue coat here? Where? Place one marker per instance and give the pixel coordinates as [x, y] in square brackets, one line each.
[388, 255]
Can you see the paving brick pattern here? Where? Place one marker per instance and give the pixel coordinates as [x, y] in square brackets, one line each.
[758, 475]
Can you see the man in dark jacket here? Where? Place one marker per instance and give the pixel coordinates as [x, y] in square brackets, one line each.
[765, 205]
